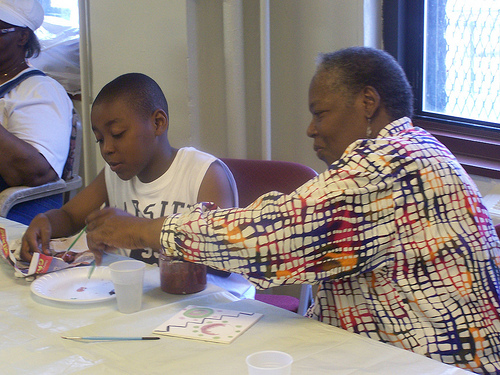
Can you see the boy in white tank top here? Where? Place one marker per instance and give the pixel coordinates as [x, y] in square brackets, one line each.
[144, 176]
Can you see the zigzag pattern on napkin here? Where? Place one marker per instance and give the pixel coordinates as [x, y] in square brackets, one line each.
[172, 326]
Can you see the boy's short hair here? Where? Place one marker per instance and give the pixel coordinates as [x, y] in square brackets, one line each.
[139, 90]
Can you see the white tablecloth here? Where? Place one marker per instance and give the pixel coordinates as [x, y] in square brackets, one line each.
[31, 343]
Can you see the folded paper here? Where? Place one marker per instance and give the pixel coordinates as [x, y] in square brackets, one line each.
[41, 263]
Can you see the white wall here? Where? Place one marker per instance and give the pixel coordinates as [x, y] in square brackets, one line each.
[191, 48]
[181, 45]
[138, 36]
[299, 31]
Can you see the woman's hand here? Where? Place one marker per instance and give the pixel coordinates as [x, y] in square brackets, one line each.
[36, 238]
[111, 228]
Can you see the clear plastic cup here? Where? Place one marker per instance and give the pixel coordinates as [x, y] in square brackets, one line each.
[128, 278]
[269, 362]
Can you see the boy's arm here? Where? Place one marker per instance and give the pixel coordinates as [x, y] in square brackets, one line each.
[65, 221]
[113, 228]
[77, 209]
[216, 188]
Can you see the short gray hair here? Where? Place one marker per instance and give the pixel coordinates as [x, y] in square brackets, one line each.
[352, 69]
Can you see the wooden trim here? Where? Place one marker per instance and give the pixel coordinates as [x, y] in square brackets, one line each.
[478, 150]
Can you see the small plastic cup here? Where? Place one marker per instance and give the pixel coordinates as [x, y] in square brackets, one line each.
[269, 362]
[128, 279]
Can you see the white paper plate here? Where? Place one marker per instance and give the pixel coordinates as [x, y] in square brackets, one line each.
[72, 285]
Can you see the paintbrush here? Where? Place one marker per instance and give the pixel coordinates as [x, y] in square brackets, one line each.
[75, 240]
[91, 270]
[109, 338]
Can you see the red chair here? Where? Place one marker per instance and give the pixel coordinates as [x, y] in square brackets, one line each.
[257, 177]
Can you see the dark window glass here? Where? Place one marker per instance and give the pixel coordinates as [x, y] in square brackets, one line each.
[450, 50]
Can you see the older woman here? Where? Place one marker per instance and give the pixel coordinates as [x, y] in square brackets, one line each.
[394, 231]
[35, 111]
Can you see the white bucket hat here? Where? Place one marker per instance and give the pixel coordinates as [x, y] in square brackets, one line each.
[23, 13]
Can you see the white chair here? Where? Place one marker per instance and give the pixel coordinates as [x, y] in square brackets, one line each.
[68, 184]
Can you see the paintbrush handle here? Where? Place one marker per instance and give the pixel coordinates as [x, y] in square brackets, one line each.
[74, 241]
[77, 238]
[110, 338]
[91, 270]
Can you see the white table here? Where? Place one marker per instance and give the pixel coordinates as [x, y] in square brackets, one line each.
[31, 343]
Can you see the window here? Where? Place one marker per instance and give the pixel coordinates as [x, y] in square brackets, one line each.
[462, 59]
[450, 50]
[63, 9]
[59, 38]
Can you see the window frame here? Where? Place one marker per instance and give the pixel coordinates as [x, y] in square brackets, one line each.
[476, 144]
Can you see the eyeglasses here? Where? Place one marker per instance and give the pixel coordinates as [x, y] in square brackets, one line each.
[6, 31]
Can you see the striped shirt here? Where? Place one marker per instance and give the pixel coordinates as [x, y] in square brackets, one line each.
[394, 233]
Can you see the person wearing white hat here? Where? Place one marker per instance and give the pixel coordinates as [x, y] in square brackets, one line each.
[35, 110]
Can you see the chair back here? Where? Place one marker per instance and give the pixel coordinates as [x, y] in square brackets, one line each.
[257, 177]
[72, 165]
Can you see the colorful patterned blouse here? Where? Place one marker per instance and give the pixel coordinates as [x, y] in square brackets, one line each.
[394, 233]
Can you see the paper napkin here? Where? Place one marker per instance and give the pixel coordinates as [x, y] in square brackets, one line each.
[208, 324]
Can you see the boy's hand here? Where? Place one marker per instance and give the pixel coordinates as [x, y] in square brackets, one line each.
[36, 238]
[111, 228]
